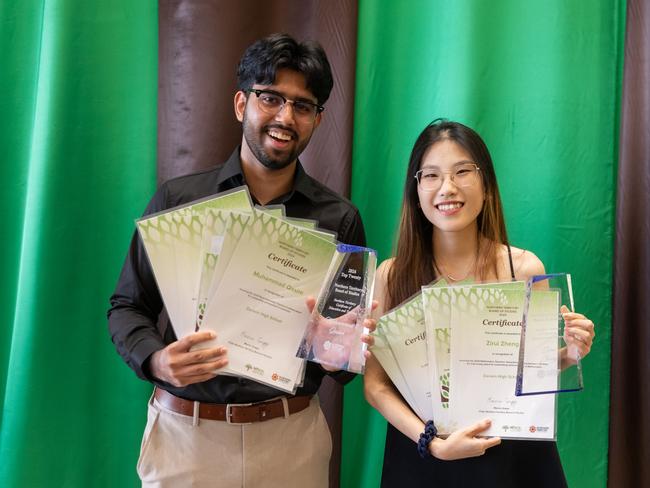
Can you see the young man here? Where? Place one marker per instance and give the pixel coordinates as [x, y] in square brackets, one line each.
[210, 430]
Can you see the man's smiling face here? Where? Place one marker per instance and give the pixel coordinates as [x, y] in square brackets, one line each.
[277, 140]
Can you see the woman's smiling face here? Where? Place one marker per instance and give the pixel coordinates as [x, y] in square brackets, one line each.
[451, 208]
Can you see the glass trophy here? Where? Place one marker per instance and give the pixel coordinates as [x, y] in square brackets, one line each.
[333, 335]
[549, 360]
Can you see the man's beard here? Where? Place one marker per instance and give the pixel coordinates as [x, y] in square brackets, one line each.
[253, 139]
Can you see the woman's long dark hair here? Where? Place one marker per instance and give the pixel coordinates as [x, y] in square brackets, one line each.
[413, 265]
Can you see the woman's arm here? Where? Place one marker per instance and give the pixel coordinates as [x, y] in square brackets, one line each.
[383, 396]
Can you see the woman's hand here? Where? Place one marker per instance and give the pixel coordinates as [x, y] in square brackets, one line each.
[464, 443]
[578, 332]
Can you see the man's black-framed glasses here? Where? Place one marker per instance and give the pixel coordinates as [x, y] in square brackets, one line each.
[463, 175]
[271, 102]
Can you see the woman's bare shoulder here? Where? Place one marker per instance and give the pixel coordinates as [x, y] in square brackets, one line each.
[384, 268]
[381, 281]
[524, 262]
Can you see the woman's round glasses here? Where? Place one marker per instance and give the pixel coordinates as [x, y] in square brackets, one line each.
[463, 175]
[271, 102]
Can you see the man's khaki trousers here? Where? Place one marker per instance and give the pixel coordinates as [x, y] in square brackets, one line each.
[180, 451]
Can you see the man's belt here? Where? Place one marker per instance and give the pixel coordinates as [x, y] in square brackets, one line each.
[234, 413]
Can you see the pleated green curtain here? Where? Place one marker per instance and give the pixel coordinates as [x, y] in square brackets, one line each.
[77, 142]
[540, 81]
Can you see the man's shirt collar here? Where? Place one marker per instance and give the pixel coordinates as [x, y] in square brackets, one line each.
[232, 173]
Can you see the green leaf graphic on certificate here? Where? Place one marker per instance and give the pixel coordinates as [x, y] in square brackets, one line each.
[437, 313]
[444, 389]
[173, 242]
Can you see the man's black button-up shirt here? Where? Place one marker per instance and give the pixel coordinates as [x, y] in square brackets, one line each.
[136, 304]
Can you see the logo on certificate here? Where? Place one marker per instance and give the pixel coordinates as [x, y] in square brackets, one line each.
[254, 369]
[281, 379]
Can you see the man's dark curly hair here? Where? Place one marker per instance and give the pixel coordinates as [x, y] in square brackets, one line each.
[262, 59]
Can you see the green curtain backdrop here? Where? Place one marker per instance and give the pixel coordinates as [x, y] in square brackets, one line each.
[78, 141]
[540, 81]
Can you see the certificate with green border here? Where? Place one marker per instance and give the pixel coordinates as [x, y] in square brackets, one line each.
[258, 310]
[404, 331]
[172, 240]
[437, 313]
[485, 334]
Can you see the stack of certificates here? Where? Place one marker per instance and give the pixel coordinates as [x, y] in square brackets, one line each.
[222, 264]
[454, 354]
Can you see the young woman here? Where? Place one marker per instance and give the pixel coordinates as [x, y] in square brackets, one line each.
[452, 227]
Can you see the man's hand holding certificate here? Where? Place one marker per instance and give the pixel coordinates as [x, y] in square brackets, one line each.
[259, 308]
[235, 280]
